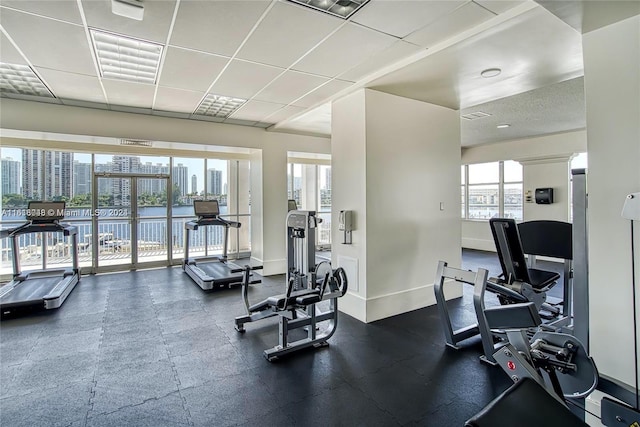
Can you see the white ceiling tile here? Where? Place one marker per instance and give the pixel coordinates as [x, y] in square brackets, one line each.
[72, 86]
[48, 43]
[9, 53]
[390, 55]
[316, 121]
[191, 70]
[283, 113]
[402, 17]
[346, 48]
[499, 6]
[255, 110]
[154, 26]
[59, 9]
[287, 32]
[215, 26]
[289, 87]
[244, 79]
[322, 93]
[126, 93]
[456, 22]
[183, 101]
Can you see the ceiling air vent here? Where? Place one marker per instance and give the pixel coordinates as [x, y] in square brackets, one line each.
[474, 116]
[136, 142]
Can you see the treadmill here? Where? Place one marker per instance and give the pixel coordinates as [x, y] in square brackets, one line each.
[43, 289]
[210, 272]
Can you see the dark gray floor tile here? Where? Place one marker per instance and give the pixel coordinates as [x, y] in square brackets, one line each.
[342, 406]
[200, 367]
[123, 408]
[146, 381]
[52, 406]
[69, 344]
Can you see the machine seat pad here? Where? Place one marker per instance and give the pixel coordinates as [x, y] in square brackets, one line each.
[541, 279]
[520, 405]
[308, 299]
[281, 301]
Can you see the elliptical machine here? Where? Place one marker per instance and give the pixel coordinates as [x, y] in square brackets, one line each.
[308, 285]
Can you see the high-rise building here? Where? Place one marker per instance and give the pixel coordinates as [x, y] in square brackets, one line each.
[55, 180]
[81, 178]
[152, 185]
[215, 182]
[180, 178]
[327, 176]
[122, 186]
[194, 184]
[104, 184]
[11, 172]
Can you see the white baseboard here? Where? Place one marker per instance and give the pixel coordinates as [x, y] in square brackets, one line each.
[270, 267]
[353, 305]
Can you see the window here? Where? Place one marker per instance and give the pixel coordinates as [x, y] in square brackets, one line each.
[309, 185]
[491, 190]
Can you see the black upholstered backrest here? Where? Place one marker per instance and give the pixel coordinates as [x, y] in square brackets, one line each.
[547, 238]
[509, 247]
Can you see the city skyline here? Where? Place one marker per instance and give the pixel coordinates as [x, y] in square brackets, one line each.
[69, 174]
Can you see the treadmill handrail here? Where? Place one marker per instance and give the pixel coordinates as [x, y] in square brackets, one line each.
[66, 229]
[206, 222]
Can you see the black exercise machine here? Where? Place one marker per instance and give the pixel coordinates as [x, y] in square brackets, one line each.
[47, 288]
[210, 272]
[308, 285]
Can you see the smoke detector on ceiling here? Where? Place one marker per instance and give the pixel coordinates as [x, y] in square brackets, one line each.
[133, 9]
[136, 142]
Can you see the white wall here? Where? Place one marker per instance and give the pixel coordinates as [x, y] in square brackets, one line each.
[612, 87]
[268, 160]
[348, 192]
[545, 162]
[411, 165]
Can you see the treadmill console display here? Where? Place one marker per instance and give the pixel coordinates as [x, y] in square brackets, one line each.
[206, 208]
[45, 211]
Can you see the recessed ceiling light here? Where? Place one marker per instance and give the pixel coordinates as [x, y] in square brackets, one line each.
[491, 72]
[340, 8]
[125, 58]
[503, 126]
[20, 79]
[219, 106]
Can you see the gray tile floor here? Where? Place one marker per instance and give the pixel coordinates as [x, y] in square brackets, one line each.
[150, 348]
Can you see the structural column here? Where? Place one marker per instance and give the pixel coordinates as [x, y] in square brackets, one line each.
[396, 165]
[612, 88]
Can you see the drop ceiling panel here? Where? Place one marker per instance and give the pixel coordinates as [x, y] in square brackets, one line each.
[346, 48]
[288, 32]
[402, 17]
[499, 6]
[191, 70]
[59, 9]
[154, 26]
[72, 86]
[129, 94]
[48, 43]
[255, 110]
[465, 17]
[397, 51]
[316, 121]
[183, 101]
[533, 50]
[244, 79]
[322, 93]
[9, 52]
[215, 26]
[289, 87]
